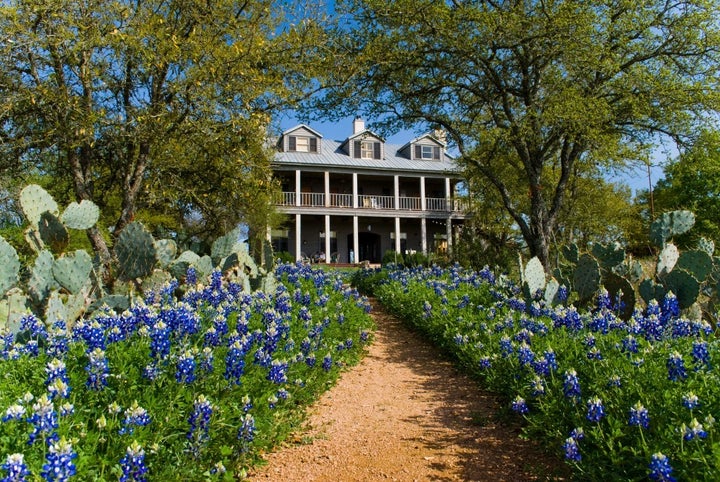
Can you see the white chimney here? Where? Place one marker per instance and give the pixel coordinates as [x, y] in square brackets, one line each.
[358, 125]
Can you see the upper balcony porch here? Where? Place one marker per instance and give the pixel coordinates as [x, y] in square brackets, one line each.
[372, 202]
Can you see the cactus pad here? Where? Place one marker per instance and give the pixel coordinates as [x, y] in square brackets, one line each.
[649, 290]
[586, 277]
[670, 224]
[609, 255]
[34, 200]
[166, 250]
[667, 259]
[615, 284]
[224, 246]
[52, 232]
[707, 245]
[534, 276]
[81, 216]
[571, 253]
[9, 266]
[685, 287]
[698, 263]
[72, 271]
[551, 290]
[41, 279]
[179, 267]
[135, 251]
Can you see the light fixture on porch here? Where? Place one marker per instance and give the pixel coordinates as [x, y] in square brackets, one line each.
[369, 227]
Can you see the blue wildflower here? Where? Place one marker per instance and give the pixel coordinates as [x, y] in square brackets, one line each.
[596, 411]
[246, 433]
[660, 468]
[694, 430]
[134, 416]
[43, 419]
[14, 412]
[676, 367]
[185, 368]
[701, 354]
[97, 370]
[639, 416]
[327, 362]
[133, 464]
[199, 421]
[572, 451]
[59, 466]
[571, 384]
[690, 400]
[278, 371]
[235, 363]
[15, 468]
[519, 405]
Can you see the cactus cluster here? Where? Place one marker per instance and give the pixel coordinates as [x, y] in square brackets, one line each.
[64, 286]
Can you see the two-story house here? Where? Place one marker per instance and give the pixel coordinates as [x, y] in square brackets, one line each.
[353, 200]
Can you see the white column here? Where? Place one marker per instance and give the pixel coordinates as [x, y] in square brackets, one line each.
[422, 193]
[397, 235]
[448, 229]
[298, 237]
[397, 192]
[447, 194]
[356, 240]
[297, 191]
[327, 189]
[327, 238]
[355, 199]
[423, 235]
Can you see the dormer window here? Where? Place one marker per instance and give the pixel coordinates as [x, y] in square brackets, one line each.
[302, 144]
[367, 149]
[427, 152]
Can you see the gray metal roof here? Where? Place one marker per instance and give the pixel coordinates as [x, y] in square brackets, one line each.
[332, 156]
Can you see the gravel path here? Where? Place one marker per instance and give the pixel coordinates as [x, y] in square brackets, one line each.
[404, 413]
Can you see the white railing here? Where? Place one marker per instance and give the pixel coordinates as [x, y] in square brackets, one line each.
[366, 201]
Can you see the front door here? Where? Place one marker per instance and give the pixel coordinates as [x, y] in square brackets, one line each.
[368, 247]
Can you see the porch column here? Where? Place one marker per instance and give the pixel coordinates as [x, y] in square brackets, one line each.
[355, 199]
[448, 194]
[397, 192]
[298, 237]
[327, 238]
[327, 190]
[356, 240]
[298, 200]
[422, 193]
[448, 231]
[423, 235]
[397, 234]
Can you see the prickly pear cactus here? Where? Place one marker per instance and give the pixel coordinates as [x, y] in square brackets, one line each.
[224, 246]
[667, 259]
[166, 250]
[179, 267]
[72, 271]
[34, 200]
[586, 277]
[41, 278]
[135, 251]
[609, 255]
[685, 287]
[534, 277]
[81, 215]
[9, 266]
[12, 309]
[670, 224]
[204, 266]
[52, 232]
[707, 245]
[649, 290]
[551, 290]
[698, 263]
[571, 253]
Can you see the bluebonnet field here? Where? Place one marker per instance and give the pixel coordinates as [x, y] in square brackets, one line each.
[191, 383]
[631, 399]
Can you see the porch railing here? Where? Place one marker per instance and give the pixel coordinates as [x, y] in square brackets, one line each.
[371, 202]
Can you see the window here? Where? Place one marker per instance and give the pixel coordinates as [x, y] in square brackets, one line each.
[302, 144]
[366, 149]
[427, 152]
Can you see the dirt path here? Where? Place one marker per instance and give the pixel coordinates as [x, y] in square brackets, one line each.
[404, 413]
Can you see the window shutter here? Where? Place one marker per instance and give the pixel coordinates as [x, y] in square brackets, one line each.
[436, 153]
[418, 152]
[313, 144]
[376, 153]
[356, 149]
[291, 143]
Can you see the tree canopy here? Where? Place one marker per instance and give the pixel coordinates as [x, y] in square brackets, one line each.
[531, 93]
[155, 105]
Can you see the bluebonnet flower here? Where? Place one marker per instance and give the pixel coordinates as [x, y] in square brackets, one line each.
[701, 354]
[133, 464]
[690, 400]
[327, 362]
[572, 451]
[310, 360]
[596, 411]
[652, 327]
[278, 370]
[594, 354]
[134, 416]
[571, 385]
[538, 386]
[577, 433]
[15, 468]
[282, 394]
[67, 409]
[247, 403]
[603, 301]
[670, 307]
[35, 326]
[185, 368]
[506, 347]
[676, 367]
[519, 405]
[58, 388]
[694, 430]
[551, 359]
[159, 340]
[660, 468]
[639, 416]
[97, 370]
[44, 420]
[562, 294]
[630, 344]
[235, 363]
[56, 370]
[212, 337]
[484, 362]
[206, 359]
[246, 433]
[199, 422]
[615, 381]
[191, 276]
[152, 371]
[14, 412]
[59, 466]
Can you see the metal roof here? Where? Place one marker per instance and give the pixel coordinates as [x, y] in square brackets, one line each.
[333, 156]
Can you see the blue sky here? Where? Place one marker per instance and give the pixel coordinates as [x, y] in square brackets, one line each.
[636, 177]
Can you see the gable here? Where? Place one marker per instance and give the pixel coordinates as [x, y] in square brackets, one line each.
[301, 139]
